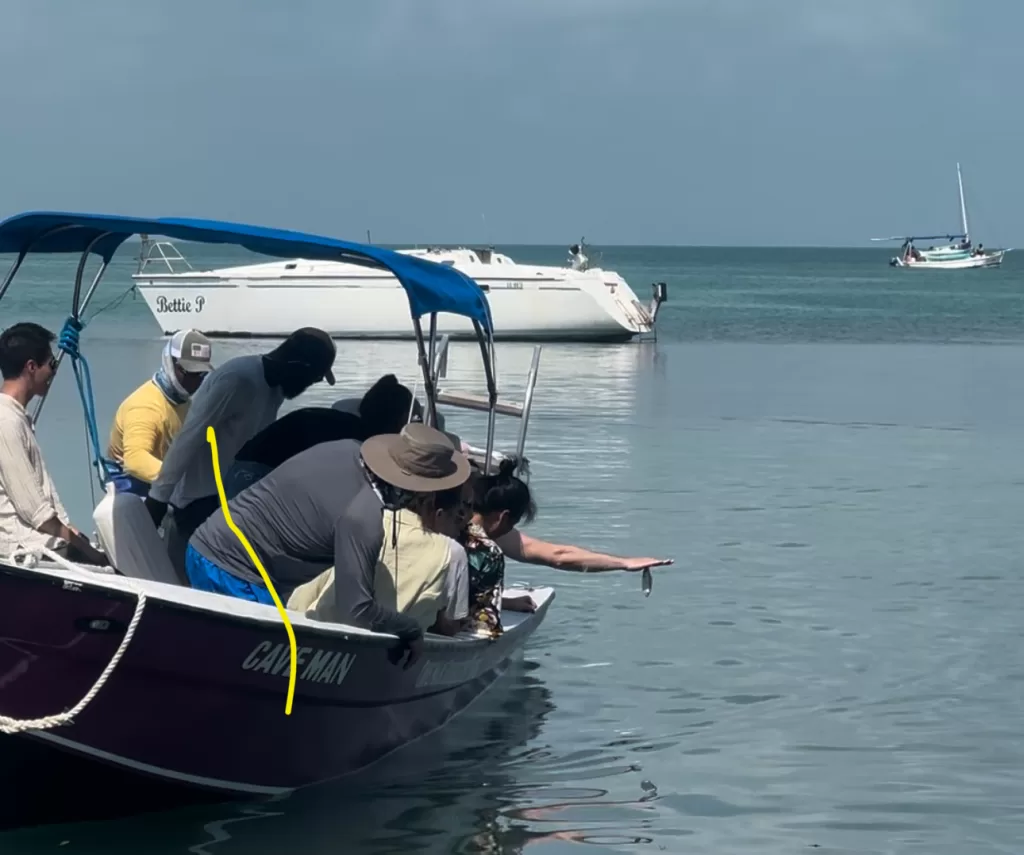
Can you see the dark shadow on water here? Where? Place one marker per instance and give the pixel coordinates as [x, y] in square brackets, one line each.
[487, 783]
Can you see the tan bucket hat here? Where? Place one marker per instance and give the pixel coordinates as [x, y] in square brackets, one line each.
[420, 459]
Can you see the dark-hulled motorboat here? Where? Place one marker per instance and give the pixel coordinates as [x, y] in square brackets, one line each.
[121, 692]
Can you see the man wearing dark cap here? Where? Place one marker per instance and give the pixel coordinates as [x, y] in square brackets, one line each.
[239, 399]
[385, 408]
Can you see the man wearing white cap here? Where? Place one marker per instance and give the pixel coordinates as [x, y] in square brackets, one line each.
[150, 418]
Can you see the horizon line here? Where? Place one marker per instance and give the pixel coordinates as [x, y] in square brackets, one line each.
[134, 239]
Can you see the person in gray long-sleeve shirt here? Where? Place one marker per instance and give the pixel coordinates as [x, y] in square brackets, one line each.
[324, 507]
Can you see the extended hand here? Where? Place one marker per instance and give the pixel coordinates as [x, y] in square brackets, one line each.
[631, 565]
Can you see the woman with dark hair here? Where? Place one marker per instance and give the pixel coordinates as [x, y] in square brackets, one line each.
[497, 503]
[500, 503]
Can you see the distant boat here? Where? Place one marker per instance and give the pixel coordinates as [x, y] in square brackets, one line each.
[958, 254]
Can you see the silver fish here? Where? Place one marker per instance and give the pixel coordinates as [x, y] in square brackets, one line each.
[646, 581]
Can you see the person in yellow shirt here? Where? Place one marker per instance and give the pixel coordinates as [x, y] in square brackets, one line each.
[150, 417]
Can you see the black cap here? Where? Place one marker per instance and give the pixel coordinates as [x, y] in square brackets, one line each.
[314, 346]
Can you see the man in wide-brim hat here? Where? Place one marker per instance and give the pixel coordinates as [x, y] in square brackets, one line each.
[322, 508]
[420, 459]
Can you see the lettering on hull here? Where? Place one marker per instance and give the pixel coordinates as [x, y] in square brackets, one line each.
[179, 304]
[314, 665]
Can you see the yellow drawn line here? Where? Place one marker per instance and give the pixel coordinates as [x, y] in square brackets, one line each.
[211, 437]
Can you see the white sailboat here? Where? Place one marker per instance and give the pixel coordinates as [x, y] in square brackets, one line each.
[957, 254]
[578, 302]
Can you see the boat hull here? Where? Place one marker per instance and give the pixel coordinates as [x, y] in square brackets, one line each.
[196, 706]
[969, 263]
[376, 307]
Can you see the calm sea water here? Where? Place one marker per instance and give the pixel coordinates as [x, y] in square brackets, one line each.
[831, 450]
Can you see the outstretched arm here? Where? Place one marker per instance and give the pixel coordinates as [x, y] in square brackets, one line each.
[532, 550]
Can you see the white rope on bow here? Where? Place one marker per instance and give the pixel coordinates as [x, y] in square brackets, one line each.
[30, 558]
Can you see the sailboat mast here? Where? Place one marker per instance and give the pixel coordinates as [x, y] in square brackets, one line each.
[963, 207]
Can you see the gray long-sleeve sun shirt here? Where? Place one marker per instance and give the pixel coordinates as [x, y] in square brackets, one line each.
[316, 510]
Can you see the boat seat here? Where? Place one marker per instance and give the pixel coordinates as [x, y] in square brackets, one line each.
[130, 540]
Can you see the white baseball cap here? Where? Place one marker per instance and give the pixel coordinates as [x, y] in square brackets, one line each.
[192, 351]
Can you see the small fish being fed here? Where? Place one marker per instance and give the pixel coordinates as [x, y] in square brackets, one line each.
[646, 581]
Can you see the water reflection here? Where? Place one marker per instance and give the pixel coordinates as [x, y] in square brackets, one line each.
[490, 783]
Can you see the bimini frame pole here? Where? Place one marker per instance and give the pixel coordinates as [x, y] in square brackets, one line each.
[531, 382]
[487, 352]
[486, 343]
[9, 278]
[78, 306]
[432, 341]
[428, 379]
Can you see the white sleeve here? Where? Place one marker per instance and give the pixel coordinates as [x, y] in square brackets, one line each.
[19, 478]
[457, 583]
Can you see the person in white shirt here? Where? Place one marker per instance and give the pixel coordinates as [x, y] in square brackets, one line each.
[239, 399]
[31, 513]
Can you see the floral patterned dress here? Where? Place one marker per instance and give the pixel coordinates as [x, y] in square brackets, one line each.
[486, 581]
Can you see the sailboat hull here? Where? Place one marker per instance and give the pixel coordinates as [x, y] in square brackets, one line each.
[969, 263]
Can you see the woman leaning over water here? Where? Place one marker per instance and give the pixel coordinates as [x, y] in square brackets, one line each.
[499, 504]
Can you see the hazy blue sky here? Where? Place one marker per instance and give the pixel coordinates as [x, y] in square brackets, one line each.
[628, 121]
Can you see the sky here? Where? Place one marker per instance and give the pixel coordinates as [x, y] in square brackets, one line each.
[669, 122]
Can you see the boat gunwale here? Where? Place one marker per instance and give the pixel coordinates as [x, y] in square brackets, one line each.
[162, 593]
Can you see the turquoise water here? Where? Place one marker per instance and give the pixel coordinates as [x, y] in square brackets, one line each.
[830, 449]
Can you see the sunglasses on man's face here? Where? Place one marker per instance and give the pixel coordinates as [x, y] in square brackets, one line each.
[307, 366]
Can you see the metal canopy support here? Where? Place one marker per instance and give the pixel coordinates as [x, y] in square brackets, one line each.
[483, 403]
[78, 306]
[432, 343]
[487, 352]
[9, 278]
[531, 382]
[439, 365]
[428, 381]
[24, 252]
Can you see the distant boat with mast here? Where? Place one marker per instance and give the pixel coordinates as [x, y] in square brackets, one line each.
[958, 254]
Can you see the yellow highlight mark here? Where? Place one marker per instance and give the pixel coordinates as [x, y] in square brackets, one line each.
[211, 437]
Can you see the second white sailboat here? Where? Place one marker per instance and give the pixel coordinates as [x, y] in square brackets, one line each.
[958, 254]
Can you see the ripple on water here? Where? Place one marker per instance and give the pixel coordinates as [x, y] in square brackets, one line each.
[746, 700]
[820, 524]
